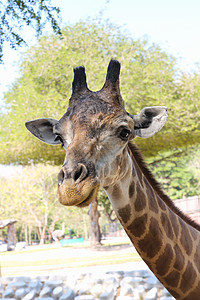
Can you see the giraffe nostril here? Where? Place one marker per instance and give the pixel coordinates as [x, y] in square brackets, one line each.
[61, 176]
[80, 173]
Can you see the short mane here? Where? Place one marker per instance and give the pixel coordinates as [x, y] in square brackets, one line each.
[156, 186]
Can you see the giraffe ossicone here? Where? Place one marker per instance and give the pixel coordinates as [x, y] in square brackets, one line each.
[96, 132]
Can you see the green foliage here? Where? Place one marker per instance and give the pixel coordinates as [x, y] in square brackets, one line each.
[16, 15]
[179, 173]
[149, 76]
[105, 207]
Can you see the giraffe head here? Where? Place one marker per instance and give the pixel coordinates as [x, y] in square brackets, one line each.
[95, 132]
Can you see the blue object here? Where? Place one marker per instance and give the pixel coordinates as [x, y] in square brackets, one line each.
[71, 241]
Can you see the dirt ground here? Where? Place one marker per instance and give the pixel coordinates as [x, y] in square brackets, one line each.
[75, 259]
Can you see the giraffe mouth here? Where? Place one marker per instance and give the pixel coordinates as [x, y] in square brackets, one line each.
[72, 194]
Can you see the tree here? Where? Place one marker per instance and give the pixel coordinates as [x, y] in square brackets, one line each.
[104, 203]
[178, 172]
[148, 77]
[17, 15]
[34, 197]
[30, 197]
[95, 233]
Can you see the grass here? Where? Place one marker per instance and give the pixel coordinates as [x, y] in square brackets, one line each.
[74, 262]
[13, 263]
[78, 246]
[27, 251]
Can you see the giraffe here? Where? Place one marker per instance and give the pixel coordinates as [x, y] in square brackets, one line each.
[96, 133]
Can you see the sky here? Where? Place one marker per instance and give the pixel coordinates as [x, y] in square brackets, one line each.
[173, 24]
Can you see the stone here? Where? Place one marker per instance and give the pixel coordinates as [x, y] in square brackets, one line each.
[42, 278]
[8, 298]
[126, 298]
[46, 291]
[9, 293]
[84, 286]
[45, 298]
[17, 284]
[129, 274]
[139, 291]
[126, 290]
[151, 294]
[109, 294]
[132, 285]
[95, 279]
[35, 285]
[84, 290]
[6, 280]
[1, 290]
[53, 283]
[84, 297]
[133, 281]
[20, 293]
[30, 296]
[23, 278]
[111, 280]
[72, 282]
[57, 292]
[69, 295]
[97, 290]
[166, 293]
[152, 280]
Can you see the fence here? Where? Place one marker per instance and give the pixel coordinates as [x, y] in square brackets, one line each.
[190, 206]
[112, 230]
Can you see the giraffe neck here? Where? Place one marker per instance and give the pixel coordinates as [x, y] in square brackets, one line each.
[166, 240]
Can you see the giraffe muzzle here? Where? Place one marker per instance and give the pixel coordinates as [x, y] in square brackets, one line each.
[78, 174]
[78, 187]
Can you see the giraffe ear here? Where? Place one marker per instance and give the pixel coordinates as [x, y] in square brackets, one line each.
[43, 130]
[149, 121]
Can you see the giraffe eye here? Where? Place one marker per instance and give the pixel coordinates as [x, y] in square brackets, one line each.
[124, 134]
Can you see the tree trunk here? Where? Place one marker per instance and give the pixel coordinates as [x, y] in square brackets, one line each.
[95, 233]
[85, 227]
[43, 235]
[11, 237]
[29, 235]
[26, 234]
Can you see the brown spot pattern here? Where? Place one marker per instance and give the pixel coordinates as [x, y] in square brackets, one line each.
[174, 294]
[140, 202]
[153, 206]
[163, 262]
[174, 222]
[188, 278]
[194, 295]
[116, 193]
[138, 226]
[180, 260]
[125, 213]
[161, 204]
[131, 189]
[194, 233]
[172, 279]
[197, 259]
[185, 239]
[167, 226]
[152, 242]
